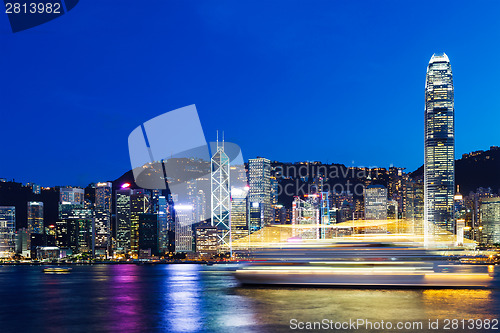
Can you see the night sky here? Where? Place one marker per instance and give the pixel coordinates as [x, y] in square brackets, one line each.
[333, 81]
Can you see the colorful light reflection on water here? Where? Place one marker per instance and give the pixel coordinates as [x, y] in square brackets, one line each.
[196, 298]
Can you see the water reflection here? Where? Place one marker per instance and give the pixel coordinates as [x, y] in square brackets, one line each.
[123, 297]
[182, 290]
[195, 298]
[277, 306]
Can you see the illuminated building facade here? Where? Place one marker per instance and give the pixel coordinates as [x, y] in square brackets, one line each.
[139, 204]
[414, 203]
[375, 202]
[102, 216]
[306, 212]
[206, 241]
[123, 220]
[490, 220]
[67, 235]
[183, 228]
[221, 196]
[163, 224]
[259, 170]
[439, 167]
[72, 195]
[7, 231]
[239, 213]
[35, 217]
[79, 220]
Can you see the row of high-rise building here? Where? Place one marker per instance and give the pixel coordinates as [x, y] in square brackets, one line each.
[231, 203]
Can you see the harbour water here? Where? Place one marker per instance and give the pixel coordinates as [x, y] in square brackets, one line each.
[198, 298]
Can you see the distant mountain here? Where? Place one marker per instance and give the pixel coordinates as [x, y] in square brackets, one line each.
[473, 170]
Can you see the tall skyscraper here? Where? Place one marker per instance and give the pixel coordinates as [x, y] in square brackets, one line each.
[239, 213]
[221, 197]
[35, 217]
[414, 200]
[259, 170]
[376, 202]
[76, 222]
[163, 226]
[102, 217]
[148, 235]
[183, 228]
[139, 204]
[123, 220]
[7, 231]
[439, 168]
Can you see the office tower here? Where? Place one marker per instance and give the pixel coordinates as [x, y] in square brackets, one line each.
[163, 226]
[76, 224]
[123, 220]
[103, 195]
[35, 217]
[75, 196]
[279, 214]
[439, 167]
[221, 197]
[102, 217]
[155, 201]
[23, 242]
[414, 199]
[259, 170]
[375, 202]
[274, 191]
[50, 235]
[199, 204]
[239, 208]
[255, 213]
[7, 231]
[475, 199]
[490, 220]
[139, 204]
[206, 238]
[324, 206]
[67, 235]
[460, 216]
[396, 188]
[183, 228]
[345, 211]
[306, 212]
[148, 235]
[392, 209]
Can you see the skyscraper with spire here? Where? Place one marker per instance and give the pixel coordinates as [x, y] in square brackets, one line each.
[439, 167]
[221, 194]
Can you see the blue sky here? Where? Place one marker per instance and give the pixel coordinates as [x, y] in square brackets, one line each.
[334, 81]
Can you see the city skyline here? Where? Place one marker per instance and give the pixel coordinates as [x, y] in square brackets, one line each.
[285, 89]
[231, 166]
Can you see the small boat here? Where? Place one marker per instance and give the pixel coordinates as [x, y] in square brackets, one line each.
[57, 270]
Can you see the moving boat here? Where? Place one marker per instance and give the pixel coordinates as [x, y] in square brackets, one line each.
[365, 264]
[57, 270]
